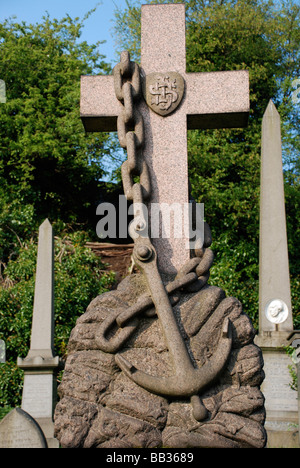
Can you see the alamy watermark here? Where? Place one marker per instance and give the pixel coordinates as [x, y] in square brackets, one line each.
[158, 220]
[296, 92]
[2, 92]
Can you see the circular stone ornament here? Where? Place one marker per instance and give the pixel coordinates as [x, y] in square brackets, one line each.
[277, 311]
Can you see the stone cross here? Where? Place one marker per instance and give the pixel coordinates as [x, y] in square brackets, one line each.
[39, 389]
[210, 100]
[275, 308]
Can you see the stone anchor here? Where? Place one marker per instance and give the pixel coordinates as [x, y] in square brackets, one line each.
[187, 380]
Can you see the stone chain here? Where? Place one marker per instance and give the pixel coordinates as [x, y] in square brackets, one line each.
[130, 125]
[128, 89]
[195, 273]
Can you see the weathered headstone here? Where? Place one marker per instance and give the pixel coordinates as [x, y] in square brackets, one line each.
[184, 373]
[19, 430]
[39, 390]
[203, 100]
[275, 309]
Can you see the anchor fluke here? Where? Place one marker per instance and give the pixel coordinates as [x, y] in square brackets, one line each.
[186, 382]
[128, 368]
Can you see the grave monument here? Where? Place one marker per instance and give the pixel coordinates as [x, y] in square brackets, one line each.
[165, 360]
[19, 430]
[275, 308]
[40, 365]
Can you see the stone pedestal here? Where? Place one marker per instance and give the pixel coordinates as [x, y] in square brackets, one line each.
[281, 402]
[39, 393]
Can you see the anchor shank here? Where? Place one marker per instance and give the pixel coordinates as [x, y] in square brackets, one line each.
[173, 338]
[187, 380]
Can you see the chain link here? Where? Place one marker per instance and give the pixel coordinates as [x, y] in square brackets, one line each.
[128, 89]
[130, 125]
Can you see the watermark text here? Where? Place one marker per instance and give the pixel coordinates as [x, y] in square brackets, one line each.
[156, 220]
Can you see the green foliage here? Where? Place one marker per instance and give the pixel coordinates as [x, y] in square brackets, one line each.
[79, 277]
[294, 377]
[4, 411]
[290, 351]
[11, 386]
[225, 164]
[47, 160]
[17, 222]
[236, 271]
[49, 167]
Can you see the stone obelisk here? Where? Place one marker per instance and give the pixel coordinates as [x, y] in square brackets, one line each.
[274, 278]
[39, 390]
[275, 308]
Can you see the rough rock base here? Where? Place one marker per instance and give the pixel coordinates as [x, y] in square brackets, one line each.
[101, 407]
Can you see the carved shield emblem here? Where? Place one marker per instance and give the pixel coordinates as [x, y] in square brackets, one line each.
[163, 92]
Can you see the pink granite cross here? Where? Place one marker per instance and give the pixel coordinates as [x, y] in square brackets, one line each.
[211, 100]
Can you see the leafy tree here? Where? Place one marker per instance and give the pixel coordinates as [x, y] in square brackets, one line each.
[47, 161]
[49, 167]
[224, 165]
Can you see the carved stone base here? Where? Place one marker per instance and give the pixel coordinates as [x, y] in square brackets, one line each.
[101, 407]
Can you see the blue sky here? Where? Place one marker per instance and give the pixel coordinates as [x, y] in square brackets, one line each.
[97, 27]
